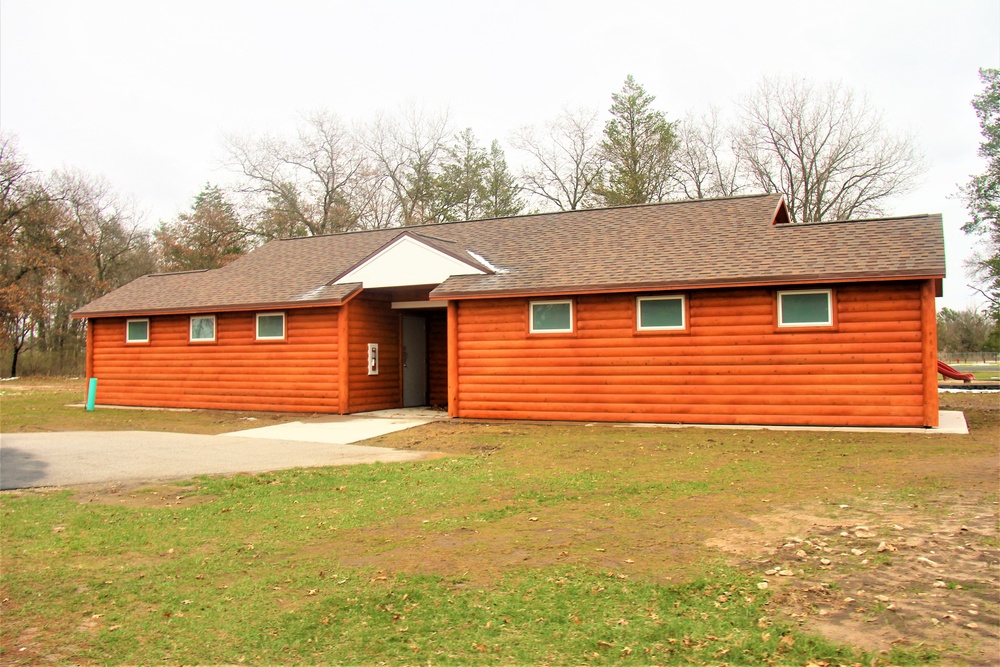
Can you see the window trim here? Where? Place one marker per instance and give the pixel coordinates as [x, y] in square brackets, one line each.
[672, 297]
[215, 332]
[831, 309]
[284, 327]
[551, 302]
[130, 341]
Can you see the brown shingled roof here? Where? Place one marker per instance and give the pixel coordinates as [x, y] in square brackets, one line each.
[699, 243]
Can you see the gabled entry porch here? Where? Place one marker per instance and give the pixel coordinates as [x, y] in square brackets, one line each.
[396, 352]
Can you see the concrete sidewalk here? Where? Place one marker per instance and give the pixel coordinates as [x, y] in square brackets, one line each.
[951, 422]
[92, 457]
[334, 429]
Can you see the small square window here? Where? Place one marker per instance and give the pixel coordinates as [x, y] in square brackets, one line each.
[271, 326]
[551, 317]
[203, 328]
[660, 313]
[137, 331]
[812, 308]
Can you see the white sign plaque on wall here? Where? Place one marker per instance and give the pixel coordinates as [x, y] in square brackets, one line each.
[372, 358]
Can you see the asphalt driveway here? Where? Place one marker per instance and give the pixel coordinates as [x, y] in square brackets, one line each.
[93, 457]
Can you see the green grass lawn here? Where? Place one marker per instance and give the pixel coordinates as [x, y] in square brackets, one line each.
[525, 544]
[40, 404]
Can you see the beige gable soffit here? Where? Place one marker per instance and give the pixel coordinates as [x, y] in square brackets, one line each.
[410, 260]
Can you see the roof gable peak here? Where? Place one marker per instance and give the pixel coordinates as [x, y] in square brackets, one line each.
[410, 259]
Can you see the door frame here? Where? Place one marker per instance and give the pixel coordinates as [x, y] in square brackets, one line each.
[403, 358]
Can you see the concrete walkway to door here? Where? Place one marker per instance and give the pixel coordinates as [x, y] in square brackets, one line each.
[345, 429]
[118, 457]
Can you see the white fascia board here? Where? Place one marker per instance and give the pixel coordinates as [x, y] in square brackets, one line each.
[407, 262]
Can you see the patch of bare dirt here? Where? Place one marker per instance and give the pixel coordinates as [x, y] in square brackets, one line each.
[41, 383]
[164, 495]
[920, 571]
[481, 553]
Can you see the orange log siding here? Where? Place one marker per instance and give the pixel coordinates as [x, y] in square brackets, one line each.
[453, 406]
[89, 363]
[437, 358]
[929, 336]
[299, 374]
[732, 366]
[372, 320]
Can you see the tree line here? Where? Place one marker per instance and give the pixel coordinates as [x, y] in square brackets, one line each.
[64, 239]
[982, 197]
[967, 331]
[68, 237]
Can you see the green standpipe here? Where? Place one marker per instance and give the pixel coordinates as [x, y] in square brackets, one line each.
[92, 394]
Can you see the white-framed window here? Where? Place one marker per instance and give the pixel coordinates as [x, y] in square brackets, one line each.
[270, 326]
[137, 331]
[660, 313]
[805, 308]
[551, 316]
[202, 328]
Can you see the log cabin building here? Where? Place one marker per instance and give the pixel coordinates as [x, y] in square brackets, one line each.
[708, 311]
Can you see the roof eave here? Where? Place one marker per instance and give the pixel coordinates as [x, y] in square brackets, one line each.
[221, 308]
[775, 281]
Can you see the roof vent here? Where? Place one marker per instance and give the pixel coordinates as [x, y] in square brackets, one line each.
[781, 214]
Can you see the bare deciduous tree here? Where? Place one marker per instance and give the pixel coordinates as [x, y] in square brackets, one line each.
[564, 162]
[104, 230]
[103, 245]
[826, 149]
[380, 207]
[317, 183]
[407, 152]
[704, 164]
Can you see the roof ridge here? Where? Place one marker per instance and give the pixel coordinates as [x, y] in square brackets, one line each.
[175, 273]
[915, 216]
[673, 202]
[426, 225]
[434, 238]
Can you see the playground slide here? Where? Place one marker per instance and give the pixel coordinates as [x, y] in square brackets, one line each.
[949, 372]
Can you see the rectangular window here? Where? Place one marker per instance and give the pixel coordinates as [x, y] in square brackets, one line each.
[807, 308]
[270, 326]
[137, 331]
[551, 317]
[203, 328]
[660, 313]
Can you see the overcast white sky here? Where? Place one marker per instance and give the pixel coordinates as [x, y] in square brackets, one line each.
[142, 92]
